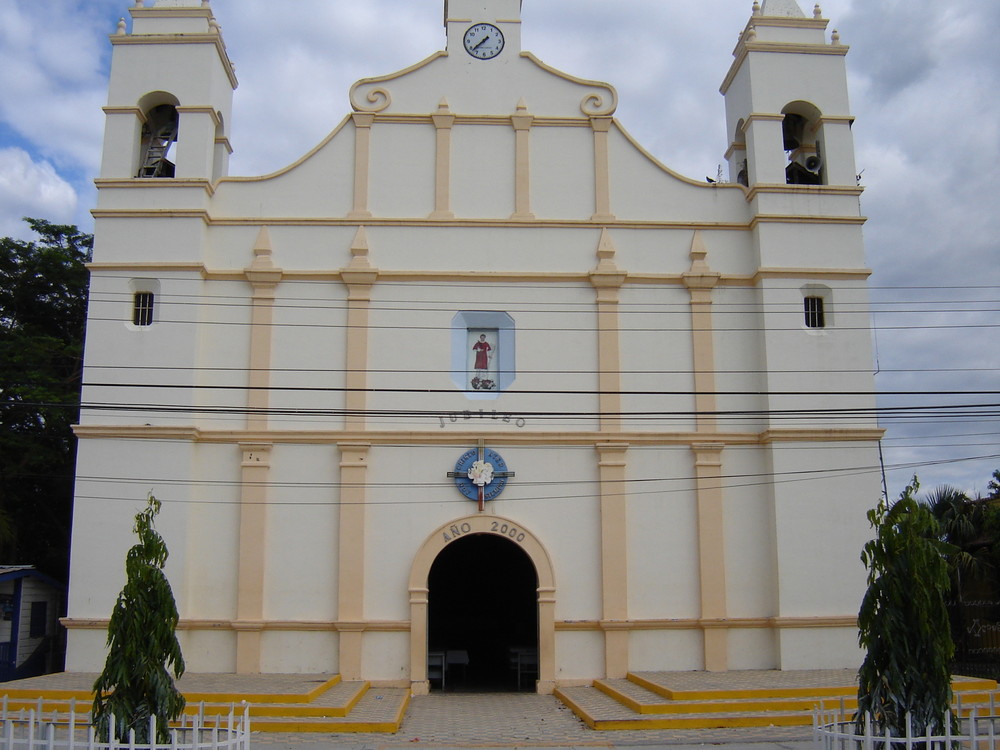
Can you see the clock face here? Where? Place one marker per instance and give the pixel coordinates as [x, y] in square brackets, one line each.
[484, 41]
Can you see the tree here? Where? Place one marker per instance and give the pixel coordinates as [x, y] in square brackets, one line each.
[903, 621]
[142, 644]
[43, 304]
[962, 521]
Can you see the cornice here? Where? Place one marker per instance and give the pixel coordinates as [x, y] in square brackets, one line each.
[127, 183]
[511, 436]
[398, 626]
[853, 191]
[512, 277]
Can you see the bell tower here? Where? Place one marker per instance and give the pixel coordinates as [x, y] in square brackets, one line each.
[170, 96]
[787, 108]
[505, 15]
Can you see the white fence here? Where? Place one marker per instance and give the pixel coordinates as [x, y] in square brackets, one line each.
[833, 731]
[33, 729]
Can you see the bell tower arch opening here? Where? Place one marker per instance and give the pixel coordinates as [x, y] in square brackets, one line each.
[483, 616]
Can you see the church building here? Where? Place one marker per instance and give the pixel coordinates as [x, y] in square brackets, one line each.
[478, 389]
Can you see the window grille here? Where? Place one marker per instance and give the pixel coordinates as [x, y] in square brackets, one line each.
[814, 312]
[142, 309]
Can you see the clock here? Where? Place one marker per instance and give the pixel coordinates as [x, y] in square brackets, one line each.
[484, 41]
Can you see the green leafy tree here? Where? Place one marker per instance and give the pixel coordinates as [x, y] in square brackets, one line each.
[994, 485]
[142, 644]
[43, 304]
[903, 620]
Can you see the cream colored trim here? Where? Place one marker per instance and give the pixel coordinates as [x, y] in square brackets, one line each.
[264, 277]
[793, 435]
[351, 556]
[302, 221]
[286, 169]
[378, 98]
[522, 121]
[700, 280]
[835, 274]
[124, 110]
[761, 117]
[488, 277]
[155, 182]
[856, 221]
[166, 213]
[845, 190]
[403, 626]
[175, 12]
[602, 169]
[676, 175]
[436, 436]
[612, 465]
[254, 475]
[788, 22]
[729, 623]
[359, 276]
[593, 104]
[420, 570]
[362, 164]
[197, 110]
[607, 280]
[443, 122]
[733, 148]
[712, 551]
[296, 626]
[215, 39]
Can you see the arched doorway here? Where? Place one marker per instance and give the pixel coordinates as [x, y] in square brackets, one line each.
[483, 616]
[434, 545]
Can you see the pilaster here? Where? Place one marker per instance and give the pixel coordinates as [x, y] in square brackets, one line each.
[522, 121]
[351, 557]
[443, 121]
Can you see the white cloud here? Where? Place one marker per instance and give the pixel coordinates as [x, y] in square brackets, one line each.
[34, 189]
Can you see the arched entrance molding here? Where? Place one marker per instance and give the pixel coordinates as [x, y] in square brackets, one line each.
[424, 559]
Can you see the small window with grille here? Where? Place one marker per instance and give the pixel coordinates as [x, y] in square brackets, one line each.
[815, 317]
[142, 309]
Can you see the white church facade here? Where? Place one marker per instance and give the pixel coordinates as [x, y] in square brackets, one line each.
[477, 384]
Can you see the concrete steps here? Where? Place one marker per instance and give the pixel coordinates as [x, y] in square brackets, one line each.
[664, 700]
[319, 705]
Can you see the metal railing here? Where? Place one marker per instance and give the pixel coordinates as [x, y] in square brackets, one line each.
[35, 729]
[835, 731]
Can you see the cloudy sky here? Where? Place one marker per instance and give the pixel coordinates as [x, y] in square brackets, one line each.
[924, 81]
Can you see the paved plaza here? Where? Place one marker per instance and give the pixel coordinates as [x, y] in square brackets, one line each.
[523, 720]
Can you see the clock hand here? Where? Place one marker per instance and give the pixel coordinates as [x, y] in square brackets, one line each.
[482, 42]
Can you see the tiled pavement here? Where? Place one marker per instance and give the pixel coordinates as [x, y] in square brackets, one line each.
[459, 720]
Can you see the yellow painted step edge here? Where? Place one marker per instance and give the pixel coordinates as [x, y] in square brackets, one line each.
[755, 703]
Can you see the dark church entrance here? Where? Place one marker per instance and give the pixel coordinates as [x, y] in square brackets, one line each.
[483, 617]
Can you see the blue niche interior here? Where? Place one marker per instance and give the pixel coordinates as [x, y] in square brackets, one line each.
[467, 328]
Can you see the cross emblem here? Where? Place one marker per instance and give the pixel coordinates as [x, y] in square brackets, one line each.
[480, 474]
